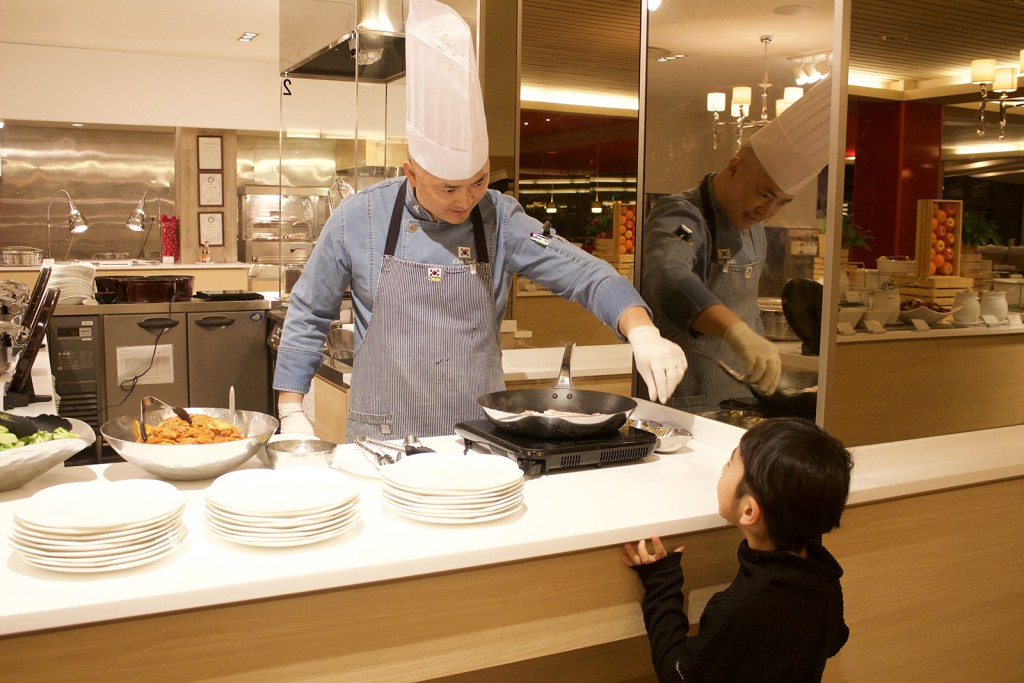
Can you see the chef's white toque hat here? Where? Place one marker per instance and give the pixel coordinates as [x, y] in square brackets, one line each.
[445, 121]
[793, 148]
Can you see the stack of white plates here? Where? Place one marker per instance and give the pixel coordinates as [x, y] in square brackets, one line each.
[276, 508]
[453, 489]
[99, 526]
[75, 281]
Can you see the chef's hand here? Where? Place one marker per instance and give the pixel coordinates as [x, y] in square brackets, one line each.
[659, 361]
[293, 420]
[635, 556]
[764, 367]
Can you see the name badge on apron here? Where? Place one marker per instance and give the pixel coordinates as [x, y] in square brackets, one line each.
[466, 258]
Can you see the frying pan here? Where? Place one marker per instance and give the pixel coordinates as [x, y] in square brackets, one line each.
[801, 304]
[602, 412]
[797, 392]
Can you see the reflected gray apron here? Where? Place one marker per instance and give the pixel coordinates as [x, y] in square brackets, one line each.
[431, 348]
[705, 384]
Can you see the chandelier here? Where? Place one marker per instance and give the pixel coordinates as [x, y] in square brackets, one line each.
[985, 72]
[741, 102]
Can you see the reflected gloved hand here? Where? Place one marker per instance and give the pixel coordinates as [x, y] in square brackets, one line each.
[659, 361]
[764, 367]
[293, 420]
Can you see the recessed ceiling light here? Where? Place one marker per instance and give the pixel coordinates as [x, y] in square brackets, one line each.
[793, 10]
[669, 58]
[77, 125]
[247, 37]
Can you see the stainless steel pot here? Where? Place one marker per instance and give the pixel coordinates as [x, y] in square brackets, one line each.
[21, 256]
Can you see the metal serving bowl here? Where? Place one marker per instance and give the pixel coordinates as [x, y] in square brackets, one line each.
[670, 439]
[190, 461]
[22, 464]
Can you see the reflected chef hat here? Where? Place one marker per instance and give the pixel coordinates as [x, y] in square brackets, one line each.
[445, 120]
[793, 148]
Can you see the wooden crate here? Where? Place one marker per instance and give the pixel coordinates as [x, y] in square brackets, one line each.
[934, 289]
[939, 217]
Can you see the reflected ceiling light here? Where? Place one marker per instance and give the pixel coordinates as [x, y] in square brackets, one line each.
[1, 123]
[742, 99]
[77, 223]
[137, 218]
[653, 5]
[986, 72]
[811, 68]
[247, 37]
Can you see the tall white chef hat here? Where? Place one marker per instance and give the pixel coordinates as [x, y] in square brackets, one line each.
[445, 120]
[793, 148]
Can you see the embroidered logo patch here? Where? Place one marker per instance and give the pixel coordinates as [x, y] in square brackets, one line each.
[434, 274]
[465, 253]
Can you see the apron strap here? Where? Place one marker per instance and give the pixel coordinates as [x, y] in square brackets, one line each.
[395, 227]
[708, 209]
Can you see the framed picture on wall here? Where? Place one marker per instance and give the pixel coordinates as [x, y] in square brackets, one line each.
[211, 189]
[211, 228]
[211, 157]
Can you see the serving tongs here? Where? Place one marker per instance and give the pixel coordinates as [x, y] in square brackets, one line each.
[410, 446]
[150, 401]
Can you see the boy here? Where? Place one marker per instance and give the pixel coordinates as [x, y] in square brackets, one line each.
[782, 616]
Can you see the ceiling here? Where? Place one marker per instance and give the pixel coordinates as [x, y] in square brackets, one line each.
[916, 49]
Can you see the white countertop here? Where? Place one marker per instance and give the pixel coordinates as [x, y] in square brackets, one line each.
[565, 511]
[587, 361]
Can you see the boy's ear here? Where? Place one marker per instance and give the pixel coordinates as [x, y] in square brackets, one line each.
[750, 512]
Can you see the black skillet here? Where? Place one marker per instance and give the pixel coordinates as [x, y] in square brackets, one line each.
[801, 304]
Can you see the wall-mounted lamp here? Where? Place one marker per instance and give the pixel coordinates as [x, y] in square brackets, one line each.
[137, 218]
[76, 223]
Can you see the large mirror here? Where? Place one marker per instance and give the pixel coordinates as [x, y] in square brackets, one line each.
[759, 56]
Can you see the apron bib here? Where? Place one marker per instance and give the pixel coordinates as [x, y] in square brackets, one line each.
[705, 384]
[431, 348]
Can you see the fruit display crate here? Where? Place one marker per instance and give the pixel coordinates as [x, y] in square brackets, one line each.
[939, 232]
[617, 248]
[934, 289]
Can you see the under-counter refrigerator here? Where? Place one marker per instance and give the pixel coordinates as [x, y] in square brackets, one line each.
[225, 349]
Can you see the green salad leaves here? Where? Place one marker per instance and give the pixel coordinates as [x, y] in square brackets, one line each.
[9, 440]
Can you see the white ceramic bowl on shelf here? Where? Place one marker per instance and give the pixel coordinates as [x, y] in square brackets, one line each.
[926, 314]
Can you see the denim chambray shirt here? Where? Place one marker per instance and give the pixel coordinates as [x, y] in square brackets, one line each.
[350, 251]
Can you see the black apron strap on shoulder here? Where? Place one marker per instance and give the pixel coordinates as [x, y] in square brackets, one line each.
[395, 228]
[478, 235]
[707, 207]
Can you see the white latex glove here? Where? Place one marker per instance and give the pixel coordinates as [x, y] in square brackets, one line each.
[293, 420]
[764, 367]
[659, 361]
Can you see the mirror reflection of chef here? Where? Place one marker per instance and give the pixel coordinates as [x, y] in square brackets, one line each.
[430, 260]
[704, 250]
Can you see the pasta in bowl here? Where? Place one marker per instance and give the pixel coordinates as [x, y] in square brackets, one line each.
[175, 457]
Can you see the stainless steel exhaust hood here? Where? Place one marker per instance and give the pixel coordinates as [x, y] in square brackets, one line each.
[333, 38]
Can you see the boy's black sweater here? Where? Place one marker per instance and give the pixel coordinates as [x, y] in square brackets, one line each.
[779, 620]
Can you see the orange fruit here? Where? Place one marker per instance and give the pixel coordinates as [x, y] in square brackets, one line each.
[934, 237]
[938, 260]
[939, 215]
[931, 269]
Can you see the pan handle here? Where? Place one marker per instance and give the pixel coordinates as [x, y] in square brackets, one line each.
[564, 375]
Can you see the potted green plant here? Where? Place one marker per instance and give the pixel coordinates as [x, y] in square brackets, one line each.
[977, 230]
[854, 235]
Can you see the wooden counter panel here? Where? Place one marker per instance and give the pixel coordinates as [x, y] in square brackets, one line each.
[887, 391]
[931, 583]
[615, 384]
[207, 278]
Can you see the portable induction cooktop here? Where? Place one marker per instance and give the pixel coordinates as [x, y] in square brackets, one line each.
[536, 456]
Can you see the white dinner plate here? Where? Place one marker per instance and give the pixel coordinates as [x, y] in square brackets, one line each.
[429, 511]
[229, 517]
[313, 527]
[264, 542]
[87, 549]
[123, 562]
[94, 506]
[353, 460]
[90, 556]
[443, 472]
[288, 492]
[450, 520]
[118, 535]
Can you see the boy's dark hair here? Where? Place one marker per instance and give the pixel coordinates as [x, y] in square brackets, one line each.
[799, 474]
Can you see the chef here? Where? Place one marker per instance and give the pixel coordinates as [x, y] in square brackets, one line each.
[430, 259]
[704, 251]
